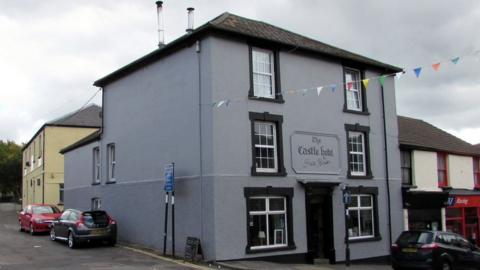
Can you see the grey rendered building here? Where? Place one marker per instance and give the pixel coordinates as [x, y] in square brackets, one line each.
[260, 176]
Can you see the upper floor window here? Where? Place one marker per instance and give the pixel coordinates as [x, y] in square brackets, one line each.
[96, 204]
[358, 151]
[353, 89]
[267, 152]
[442, 169]
[265, 84]
[406, 165]
[476, 171]
[40, 146]
[111, 162]
[96, 165]
[61, 192]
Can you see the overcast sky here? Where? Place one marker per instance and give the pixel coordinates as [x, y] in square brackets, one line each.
[51, 51]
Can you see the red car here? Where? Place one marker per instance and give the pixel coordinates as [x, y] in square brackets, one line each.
[37, 218]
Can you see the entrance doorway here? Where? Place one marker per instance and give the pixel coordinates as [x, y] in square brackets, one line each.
[319, 225]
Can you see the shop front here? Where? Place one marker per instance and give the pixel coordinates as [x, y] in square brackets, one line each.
[462, 215]
[424, 209]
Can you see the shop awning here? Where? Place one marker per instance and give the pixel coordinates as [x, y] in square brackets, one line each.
[424, 199]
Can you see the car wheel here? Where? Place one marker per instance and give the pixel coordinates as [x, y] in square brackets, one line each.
[72, 241]
[446, 266]
[112, 242]
[30, 230]
[52, 234]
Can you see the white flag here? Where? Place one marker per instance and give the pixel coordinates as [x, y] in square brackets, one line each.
[319, 89]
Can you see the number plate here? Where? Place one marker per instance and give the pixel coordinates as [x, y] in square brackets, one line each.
[409, 250]
[98, 232]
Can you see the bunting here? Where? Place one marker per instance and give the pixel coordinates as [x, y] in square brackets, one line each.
[365, 82]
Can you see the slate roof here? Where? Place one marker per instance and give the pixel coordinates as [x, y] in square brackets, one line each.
[87, 117]
[232, 24]
[418, 134]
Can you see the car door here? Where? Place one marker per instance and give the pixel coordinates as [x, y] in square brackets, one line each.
[27, 216]
[60, 225]
[465, 254]
[72, 220]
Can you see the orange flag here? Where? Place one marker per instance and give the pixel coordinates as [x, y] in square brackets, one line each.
[436, 66]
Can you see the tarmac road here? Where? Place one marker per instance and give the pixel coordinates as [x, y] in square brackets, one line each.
[19, 250]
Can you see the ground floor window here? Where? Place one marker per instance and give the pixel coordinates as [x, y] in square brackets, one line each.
[269, 222]
[362, 214]
[96, 203]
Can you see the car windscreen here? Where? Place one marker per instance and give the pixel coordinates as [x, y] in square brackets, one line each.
[409, 238]
[44, 209]
[95, 219]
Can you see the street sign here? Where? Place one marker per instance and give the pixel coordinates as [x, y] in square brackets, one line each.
[347, 197]
[169, 177]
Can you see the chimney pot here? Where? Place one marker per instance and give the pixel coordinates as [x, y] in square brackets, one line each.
[161, 37]
[190, 19]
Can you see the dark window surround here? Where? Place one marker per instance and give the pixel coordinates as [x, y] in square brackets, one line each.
[278, 120]
[363, 92]
[94, 182]
[108, 164]
[446, 182]
[365, 130]
[476, 175]
[276, 69]
[271, 191]
[374, 192]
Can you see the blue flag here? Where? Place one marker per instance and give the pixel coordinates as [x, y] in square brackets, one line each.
[455, 60]
[333, 86]
[417, 71]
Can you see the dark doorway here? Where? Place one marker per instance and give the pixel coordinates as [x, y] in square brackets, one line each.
[319, 225]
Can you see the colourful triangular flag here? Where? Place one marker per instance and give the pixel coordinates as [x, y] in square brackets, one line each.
[417, 71]
[319, 89]
[220, 103]
[455, 60]
[304, 92]
[399, 75]
[214, 103]
[381, 79]
[333, 86]
[349, 85]
[365, 83]
[436, 66]
[227, 102]
[291, 92]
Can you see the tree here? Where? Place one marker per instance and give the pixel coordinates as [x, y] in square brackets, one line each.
[10, 168]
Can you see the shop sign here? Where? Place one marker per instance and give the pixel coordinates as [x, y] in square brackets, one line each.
[315, 153]
[463, 201]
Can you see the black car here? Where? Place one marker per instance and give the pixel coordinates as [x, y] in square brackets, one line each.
[77, 227]
[434, 250]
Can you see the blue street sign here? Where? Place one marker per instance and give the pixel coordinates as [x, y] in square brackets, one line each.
[169, 177]
[347, 198]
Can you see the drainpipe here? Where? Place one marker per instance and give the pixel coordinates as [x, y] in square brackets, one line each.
[387, 177]
[197, 50]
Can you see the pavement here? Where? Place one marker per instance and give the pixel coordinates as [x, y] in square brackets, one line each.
[19, 250]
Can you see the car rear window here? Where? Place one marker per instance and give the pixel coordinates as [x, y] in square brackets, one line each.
[95, 219]
[45, 210]
[415, 238]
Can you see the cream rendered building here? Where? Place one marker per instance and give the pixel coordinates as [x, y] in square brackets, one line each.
[43, 172]
[441, 178]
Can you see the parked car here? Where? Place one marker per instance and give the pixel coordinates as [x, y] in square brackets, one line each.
[77, 227]
[36, 218]
[434, 250]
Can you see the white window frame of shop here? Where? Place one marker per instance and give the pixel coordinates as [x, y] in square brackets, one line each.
[111, 162]
[266, 213]
[353, 93]
[96, 165]
[362, 154]
[61, 192]
[261, 126]
[265, 58]
[358, 209]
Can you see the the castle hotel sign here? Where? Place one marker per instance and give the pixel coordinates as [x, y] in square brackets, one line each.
[315, 153]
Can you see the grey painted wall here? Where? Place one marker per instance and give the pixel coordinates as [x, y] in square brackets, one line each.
[153, 118]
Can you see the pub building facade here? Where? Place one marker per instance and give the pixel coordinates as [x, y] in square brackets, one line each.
[260, 175]
[440, 180]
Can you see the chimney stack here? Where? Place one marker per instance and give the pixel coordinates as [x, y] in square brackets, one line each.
[161, 38]
[190, 19]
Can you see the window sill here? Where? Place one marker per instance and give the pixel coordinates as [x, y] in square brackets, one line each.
[281, 173]
[274, 100]
[368, 176]
[60, 203]
[95, 183]
[249, 250]
[110, 182]
[445, 187]
[408, 186]
[356, 112]
[370, 239]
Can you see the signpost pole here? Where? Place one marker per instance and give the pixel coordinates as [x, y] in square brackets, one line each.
[166, 224]
[173, 213]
